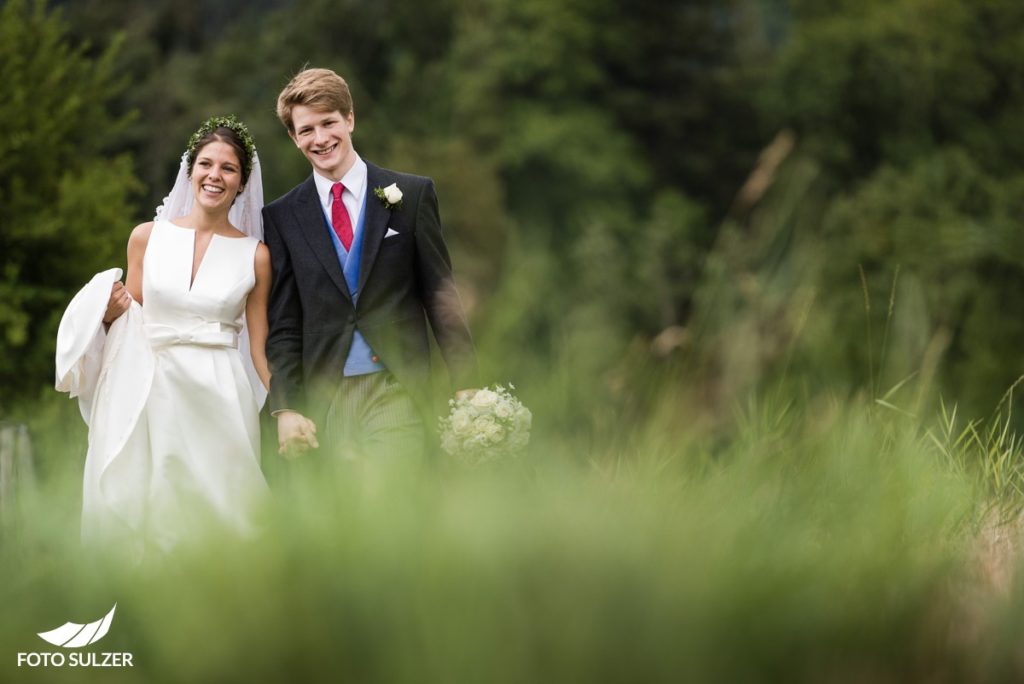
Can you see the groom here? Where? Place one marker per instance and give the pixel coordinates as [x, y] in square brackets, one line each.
[359, 268]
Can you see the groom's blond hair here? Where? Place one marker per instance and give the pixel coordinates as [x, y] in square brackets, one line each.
[319, 89]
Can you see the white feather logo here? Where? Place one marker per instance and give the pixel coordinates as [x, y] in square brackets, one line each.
[74, 635]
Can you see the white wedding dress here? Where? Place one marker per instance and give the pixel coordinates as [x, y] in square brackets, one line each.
[189, 464]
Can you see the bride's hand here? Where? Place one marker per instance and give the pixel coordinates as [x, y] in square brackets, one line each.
[118, 303]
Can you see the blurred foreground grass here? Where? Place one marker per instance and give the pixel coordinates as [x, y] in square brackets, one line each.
[827, 542]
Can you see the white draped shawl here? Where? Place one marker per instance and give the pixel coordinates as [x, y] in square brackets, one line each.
[111, 373]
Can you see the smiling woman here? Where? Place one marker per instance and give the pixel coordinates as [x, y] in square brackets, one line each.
[174, 434]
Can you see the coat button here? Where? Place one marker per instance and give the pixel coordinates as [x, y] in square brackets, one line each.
[375, 358]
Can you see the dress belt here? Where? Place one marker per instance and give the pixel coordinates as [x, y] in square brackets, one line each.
[203, 335]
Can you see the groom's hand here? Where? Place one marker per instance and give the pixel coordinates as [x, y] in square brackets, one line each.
[296, 434]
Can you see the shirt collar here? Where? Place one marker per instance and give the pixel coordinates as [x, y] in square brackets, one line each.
[354, 181]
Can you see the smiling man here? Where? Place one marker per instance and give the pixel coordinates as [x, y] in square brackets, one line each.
[359, 269]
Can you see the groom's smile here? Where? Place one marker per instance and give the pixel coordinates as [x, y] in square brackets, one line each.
[327, 151]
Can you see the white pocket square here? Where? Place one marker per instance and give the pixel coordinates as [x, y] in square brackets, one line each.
[391, 232]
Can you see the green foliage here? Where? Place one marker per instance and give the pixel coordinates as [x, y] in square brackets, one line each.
[64, 199]
[952, 228]
[906, 161]
[820, 543]
[990, 453]
[881, 81]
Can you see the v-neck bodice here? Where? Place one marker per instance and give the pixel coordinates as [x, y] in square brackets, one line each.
[217, 295]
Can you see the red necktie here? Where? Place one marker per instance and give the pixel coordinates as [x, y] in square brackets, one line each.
[339, 217]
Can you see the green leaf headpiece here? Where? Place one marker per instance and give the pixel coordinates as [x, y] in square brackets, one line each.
[212, 124]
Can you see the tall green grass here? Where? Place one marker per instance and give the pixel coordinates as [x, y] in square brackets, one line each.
[819, 541]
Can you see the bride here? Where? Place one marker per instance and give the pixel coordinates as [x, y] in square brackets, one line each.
[172, 380]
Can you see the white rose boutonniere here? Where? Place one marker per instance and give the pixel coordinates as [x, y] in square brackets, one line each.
[390, 197]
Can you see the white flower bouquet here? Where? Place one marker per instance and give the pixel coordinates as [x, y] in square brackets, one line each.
[487, 427]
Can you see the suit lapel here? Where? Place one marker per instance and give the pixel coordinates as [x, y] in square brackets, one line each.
[310, 217]
[376, 223]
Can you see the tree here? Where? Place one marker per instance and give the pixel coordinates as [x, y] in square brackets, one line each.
[909, 138]
[65, 209]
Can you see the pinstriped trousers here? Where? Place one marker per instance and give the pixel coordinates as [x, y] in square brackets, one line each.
[372, 418]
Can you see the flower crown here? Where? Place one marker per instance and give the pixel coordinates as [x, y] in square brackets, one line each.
[212, 124]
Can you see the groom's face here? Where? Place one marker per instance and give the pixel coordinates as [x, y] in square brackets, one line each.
[325, 138]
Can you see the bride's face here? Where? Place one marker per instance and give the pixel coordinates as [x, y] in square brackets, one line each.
[216, 176]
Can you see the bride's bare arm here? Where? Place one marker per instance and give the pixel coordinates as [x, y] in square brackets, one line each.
[256, 314]
[136, 250]
[119, 294]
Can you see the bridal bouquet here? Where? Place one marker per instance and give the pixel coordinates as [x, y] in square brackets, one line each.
[490, 425]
